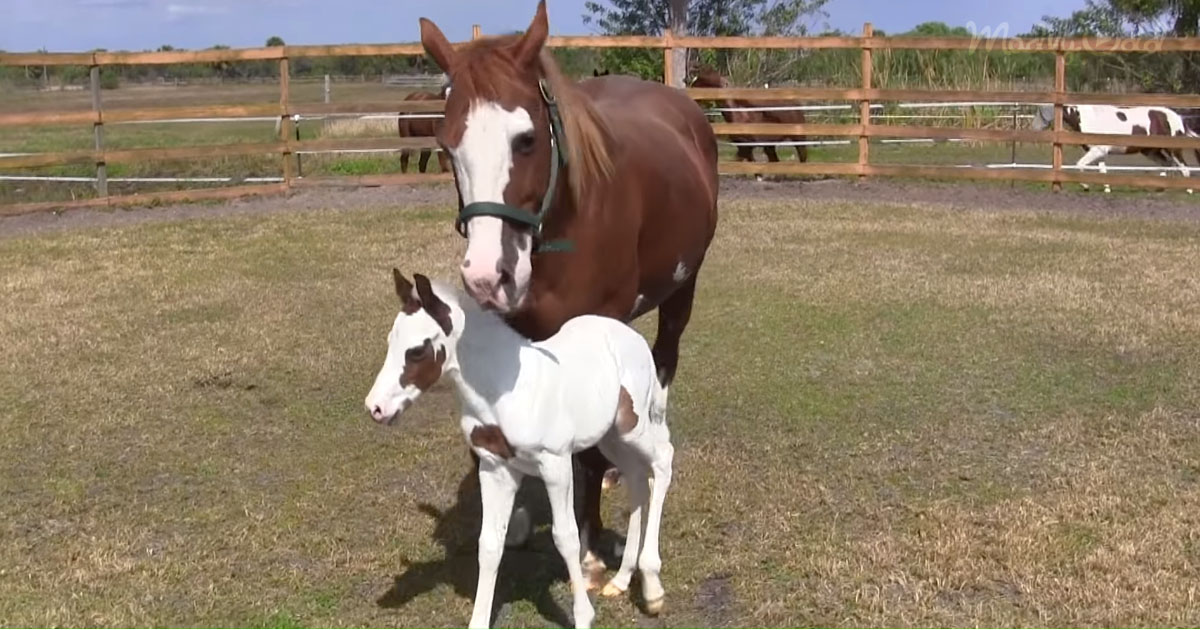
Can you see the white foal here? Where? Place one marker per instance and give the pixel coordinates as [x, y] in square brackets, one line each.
[526, 408]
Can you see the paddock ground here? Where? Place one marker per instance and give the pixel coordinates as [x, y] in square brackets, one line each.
[899, 405]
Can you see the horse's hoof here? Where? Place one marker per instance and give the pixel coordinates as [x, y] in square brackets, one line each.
[654, 607]
[612, 590]
[593, 569]
[612, 479]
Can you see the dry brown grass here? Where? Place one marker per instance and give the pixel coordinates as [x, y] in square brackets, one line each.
[358, 127]
[886, 415]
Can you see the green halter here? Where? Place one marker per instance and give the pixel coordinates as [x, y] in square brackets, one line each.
[513, 214]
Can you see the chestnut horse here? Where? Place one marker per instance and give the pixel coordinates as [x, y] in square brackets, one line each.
[421, 128]
[707, 77]
[597, 197]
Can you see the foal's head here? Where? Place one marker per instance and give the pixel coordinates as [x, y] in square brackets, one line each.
[417, 349]
[497, 132]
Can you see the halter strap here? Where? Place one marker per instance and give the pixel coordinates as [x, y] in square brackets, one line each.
[513, 214]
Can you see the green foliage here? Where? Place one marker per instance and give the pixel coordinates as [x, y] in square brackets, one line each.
[703, 17]
[1145, 19]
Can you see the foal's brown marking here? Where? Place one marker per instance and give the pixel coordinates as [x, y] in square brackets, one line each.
[404, 291]
[1121, 116]
[626, 417]
[432, 304]
[490, 438]
[425, 371]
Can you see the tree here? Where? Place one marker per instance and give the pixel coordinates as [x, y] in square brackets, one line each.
[1132, 18]
[275, 40]
[693, 17]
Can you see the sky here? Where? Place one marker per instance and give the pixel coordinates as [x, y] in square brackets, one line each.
[80, 25]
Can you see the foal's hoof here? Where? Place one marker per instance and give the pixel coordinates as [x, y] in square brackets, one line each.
[654, 606]
[612, 590]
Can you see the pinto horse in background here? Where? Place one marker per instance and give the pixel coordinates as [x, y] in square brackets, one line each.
[421, 128]
[1127, 121]
[598, 197]
[707, 77]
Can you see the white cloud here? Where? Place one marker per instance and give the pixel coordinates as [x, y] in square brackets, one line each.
[179, 11]
[113, 4]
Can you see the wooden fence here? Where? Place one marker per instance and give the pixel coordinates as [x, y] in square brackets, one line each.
[863, 130]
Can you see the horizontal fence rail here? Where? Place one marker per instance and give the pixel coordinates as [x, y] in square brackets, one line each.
[866, 103]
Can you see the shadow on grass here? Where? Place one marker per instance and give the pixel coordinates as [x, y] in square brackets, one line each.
[527, 573]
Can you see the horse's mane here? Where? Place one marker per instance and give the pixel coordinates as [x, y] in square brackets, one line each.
[486, 69]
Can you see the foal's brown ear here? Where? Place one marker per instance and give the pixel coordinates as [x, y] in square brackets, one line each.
[437, 45]
[404, 291]
[432, 304]
[530, 45]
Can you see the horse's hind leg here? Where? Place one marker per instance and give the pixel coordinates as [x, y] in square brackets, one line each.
[1177, 157]
[594, 465]
[673, 317]
[424, 163]
[404, 155]
[802, 150]
[443, 161]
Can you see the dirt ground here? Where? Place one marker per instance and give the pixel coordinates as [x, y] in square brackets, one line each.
[956, 196]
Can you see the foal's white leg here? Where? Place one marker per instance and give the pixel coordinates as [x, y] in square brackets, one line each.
[557, 473]
[637, 485]
[1104, 171]
[497, 486]
[650, 562]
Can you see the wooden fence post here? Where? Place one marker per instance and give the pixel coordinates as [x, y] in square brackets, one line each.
[1060, 87]
[285, 127]
[98, 132]
[668, 53]
[476, 32]
[864, 106]
[328, 91]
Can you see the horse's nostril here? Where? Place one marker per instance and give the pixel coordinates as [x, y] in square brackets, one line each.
[376, 412]
[505, 277]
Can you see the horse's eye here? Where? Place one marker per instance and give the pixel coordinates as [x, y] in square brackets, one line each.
[523, 143]
[417, 354]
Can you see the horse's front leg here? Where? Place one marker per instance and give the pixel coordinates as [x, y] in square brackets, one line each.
[497, 486]
[1093, 154]
[556, 471]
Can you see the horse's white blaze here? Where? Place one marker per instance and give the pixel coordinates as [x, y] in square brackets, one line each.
[483, 163]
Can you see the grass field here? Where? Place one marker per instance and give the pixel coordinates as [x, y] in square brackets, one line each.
[886, 415]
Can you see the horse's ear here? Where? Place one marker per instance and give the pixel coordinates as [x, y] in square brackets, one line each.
[530, 45]
[432, 304]
[437, 45]
[404, 291]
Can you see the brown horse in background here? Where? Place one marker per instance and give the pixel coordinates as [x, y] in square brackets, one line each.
[422, 128]
[707, 77]
[590, 198]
